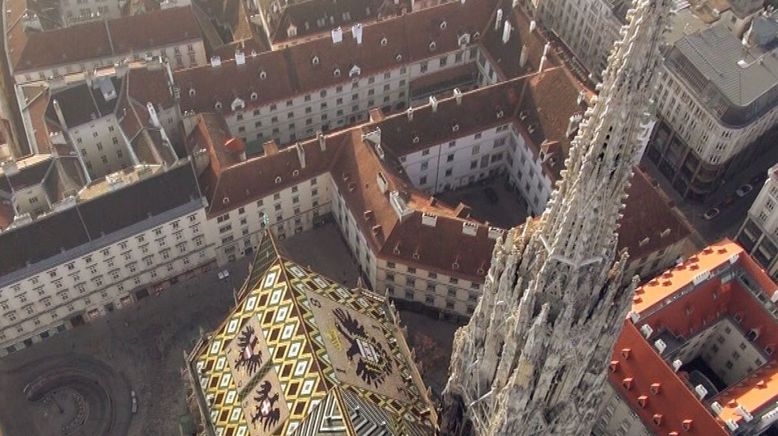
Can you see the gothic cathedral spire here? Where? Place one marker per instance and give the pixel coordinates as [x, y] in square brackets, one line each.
[532, 359]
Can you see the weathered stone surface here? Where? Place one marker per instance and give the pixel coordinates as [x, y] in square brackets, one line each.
[533, 357]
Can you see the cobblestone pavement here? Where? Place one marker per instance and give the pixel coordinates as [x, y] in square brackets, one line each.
[142, 344]
[508, 211]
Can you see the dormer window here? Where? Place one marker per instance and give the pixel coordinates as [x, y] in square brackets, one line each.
[278, 180]
[384, 42]
[500, 114]
[295, 173]
[315, 60]
[443, 25]
[433, 46]
[416, 139]
[399, 57]
[476, 35]
[336, 72]
[192, 92]
[455, 127]
[262, 74]
[218, 105]
[254, 96]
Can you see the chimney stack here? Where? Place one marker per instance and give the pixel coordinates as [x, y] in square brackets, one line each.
[300, 154]
[337, 35]
[544, 57]
[216, 61]
[523, 56]
[240, 57]
[434, 103]
[153, 115]
[322, 140]
[498, 19]
[458, 96]
[356, 31]
[409, 112]
[532, 26]
[506, 32]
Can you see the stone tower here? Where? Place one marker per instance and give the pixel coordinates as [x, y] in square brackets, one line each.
[533, 358]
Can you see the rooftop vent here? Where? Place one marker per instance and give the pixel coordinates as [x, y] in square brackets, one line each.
[429, 219]
[469, 228]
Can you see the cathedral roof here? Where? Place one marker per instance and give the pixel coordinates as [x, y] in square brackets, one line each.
[303, 353]
[683, 308]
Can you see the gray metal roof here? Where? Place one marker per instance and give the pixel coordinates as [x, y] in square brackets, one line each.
[739, 83]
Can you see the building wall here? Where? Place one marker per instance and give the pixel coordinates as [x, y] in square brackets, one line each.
[588, 27]
[691, 143]
[759, 233]
[101, 276]
[458, 162]
[287, 212]
[181, 55]
[617, 418]
[81, 11]
[333, 107]
[102, 146]
[729, 354]
[32, 200]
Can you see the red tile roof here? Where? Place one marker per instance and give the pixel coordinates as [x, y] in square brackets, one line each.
[650, 222]
[96, 39]
[635, 367]
[291, 71]
[684, 301]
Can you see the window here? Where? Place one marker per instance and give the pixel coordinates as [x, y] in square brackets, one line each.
[450, 157]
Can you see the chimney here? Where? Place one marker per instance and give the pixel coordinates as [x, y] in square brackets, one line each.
[322, 140]
[60, 115]
[523, 56]
[544, 57]
[10, 167]
[498, 19]
[270, 147]
[300, 154]
[337, 35]
[506, 32]
[216, 61]
[240, 57]
[434, 103]
[409, 112]
[458, 96]
[153, 115]
[356, 30]
[532, 26]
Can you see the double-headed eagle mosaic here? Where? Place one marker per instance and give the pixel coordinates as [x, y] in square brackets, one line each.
[373, 364]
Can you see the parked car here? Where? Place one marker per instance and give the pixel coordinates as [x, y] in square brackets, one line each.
[743, 190]
[711, 213]
[491, 195]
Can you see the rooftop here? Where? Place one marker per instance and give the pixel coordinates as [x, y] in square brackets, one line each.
[719, 283]
[301, 352]
[30, 51]
[282, 74]
[737, 82]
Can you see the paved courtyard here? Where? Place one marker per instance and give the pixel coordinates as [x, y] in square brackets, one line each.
[79, 382]
[508, 211]
[81, 379]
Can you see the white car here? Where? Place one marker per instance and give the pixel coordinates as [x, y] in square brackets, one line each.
[743, 190]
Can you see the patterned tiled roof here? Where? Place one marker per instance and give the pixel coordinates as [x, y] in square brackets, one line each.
[302, 354]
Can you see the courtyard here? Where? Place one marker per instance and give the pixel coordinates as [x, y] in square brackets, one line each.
[84, 381]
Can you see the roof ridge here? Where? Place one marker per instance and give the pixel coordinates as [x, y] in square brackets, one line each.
[108, 34]
[299, 309]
